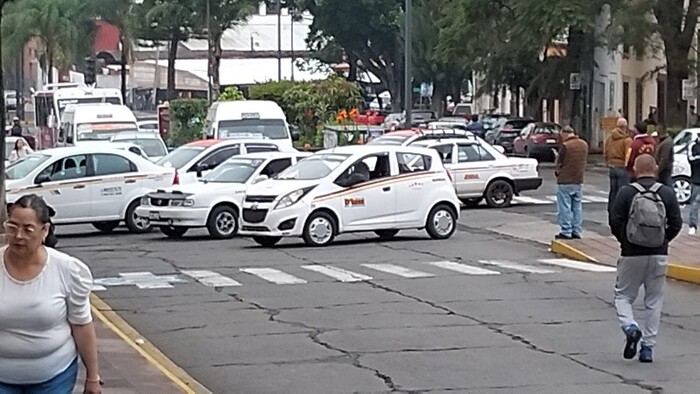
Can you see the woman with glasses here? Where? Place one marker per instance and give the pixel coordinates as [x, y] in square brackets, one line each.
[45, 317]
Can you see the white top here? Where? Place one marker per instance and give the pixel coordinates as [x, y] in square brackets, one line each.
[36, 342]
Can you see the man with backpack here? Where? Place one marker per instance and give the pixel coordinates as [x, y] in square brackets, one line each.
[645, 217]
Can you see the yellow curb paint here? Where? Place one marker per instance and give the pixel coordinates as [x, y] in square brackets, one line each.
[571, 252]
[684, 273]
[152, 354]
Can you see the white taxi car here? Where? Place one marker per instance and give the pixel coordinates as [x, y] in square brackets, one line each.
[479, 171]
[98, 185]
[353, 189]
[408, 137]
[215, 201]
[681, 176]
[195, 159]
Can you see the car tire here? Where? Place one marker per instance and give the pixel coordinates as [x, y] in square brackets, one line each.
[222, 222]
[386, 234]
[173, 231]
[106, 227]
[471, 202]
[499, 194]
[326, 226]
[683, 189]
[136, 224]
[442, 222]
[267, 241]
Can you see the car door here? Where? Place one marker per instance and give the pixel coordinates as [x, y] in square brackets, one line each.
[411, 190]
[370, 204]
[110, 188]
[216, 157]
[476, 166]
[65, 187]
[521, 140]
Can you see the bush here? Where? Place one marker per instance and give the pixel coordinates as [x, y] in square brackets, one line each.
[187, 118]
[231, 93]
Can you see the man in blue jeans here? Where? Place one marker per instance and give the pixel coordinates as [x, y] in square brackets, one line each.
[570, 167]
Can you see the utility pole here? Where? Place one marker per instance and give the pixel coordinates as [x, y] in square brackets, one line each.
[209, 55]
[291, 41]
[407, 63]
[279, 40]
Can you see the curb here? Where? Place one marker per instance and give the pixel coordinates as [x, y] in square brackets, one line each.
[676, 271]
[152, 354]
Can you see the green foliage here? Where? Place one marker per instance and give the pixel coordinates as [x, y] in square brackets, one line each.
[187, 118]
[273, 91]
[231, 93]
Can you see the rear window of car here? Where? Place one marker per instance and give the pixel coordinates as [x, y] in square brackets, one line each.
[517, 124]
[547, 129]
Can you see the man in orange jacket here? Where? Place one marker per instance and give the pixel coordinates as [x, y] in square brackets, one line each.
[616, 148]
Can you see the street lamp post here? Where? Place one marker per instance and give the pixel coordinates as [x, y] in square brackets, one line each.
[209, 55]
[408, 94]
[279, 40]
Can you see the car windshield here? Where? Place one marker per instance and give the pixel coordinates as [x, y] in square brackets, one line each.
[237, 170]
[389, 140]
[152, 146]
[314, 167]
[103, 131]
[180, 156]
[274, 129]
[25, 166]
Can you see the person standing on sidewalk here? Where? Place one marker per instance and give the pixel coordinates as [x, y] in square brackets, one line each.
[645, 218]
[570, 167]
[664, 155]
[642, 143]
[694, 160]
[616, 147]
[45, 318]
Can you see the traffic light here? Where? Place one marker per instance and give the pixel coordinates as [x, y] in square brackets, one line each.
[90, 78]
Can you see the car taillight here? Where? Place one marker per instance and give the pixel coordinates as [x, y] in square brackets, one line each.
[176, 178]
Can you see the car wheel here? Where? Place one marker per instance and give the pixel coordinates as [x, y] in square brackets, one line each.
[320, 229]
[173, 232]
[223, 222]
[471, 202]
[683, 189]
[106, 227]
[136, 224]
[442, 222]
[267, 241]
[499, 194]
[386, 234]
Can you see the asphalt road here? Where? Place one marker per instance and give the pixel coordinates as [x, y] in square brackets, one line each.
[486, 311]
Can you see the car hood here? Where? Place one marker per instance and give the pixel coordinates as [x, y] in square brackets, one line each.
[279, 187]
[201, 187]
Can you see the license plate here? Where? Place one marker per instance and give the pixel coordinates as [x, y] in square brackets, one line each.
[154, 215]
[551, 141]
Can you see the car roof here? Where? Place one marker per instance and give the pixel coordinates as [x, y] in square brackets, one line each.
[84, 150]
[273, 155]
[369, 149]
[209, 143]
[136, 136]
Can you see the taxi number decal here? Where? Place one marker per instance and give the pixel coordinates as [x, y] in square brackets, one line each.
[354, 202]
[111, 191]
[471, 176]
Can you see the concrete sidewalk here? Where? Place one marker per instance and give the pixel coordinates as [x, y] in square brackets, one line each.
[684, 259]
[128, 365]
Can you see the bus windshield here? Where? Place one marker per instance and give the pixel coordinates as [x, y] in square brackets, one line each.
[274, 129]
[103, 131]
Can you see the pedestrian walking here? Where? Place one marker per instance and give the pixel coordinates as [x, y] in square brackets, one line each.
[570, 167]
[45, 317]
[19, 151]
[644, 219]
[642, 143]
[694, 160]
[616, 147]
[664, 155]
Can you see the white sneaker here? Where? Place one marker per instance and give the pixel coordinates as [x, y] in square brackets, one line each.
[692, 231]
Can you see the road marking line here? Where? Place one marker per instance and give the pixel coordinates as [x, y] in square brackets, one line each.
[578, 265]
[595, 199]
[530, 200]
[274, 276]
[98, 288]
[463, 268]
[517, 266]
[336, 273]
[211, 279]
[398, 270]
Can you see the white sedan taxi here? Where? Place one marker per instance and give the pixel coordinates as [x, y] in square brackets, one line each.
[479, 171]
[215, 201]
[353, 189]
[98, 185]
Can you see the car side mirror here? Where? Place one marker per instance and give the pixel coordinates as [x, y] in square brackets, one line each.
[261, 178]
[42, 179]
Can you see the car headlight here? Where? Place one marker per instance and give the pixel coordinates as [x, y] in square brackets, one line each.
[145, 201]
[293, 197]
[183, 203]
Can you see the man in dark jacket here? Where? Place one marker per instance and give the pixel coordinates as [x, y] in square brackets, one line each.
[570, 167]
[664, 156]
[16, 130]
[642, 143]
[640, 265]
[694, 160]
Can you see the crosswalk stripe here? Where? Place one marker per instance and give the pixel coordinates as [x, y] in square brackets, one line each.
[578, 265]
[98, 288]
[463, 268]
[274, 276]
[517, 267]
[211, 279]
[336, 273]
[398, 270]
[530, 200]
[595, 199]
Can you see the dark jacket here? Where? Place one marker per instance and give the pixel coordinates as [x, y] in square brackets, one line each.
[16, 131]
[664, 157]
[619, 215]
[571, 161]
[641, 144]
[694, 160]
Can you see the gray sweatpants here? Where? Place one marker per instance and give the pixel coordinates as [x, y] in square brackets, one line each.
[632, 273]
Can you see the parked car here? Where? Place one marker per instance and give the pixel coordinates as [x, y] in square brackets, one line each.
[681, 176]
[538, 140]
[463, 110]
[11, 100]
[151, 143]
[407, 137]
[505, 131]
[353, 189]
[682, 139]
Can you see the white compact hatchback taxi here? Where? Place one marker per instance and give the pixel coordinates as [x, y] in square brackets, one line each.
[215, 201]
[383, 189]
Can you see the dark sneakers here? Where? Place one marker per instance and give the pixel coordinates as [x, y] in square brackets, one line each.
[562, 236]
[645, 355]
[633, 336]
[575, 236]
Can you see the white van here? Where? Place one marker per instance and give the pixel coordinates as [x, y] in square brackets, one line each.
[90, 123]
[253, 119]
